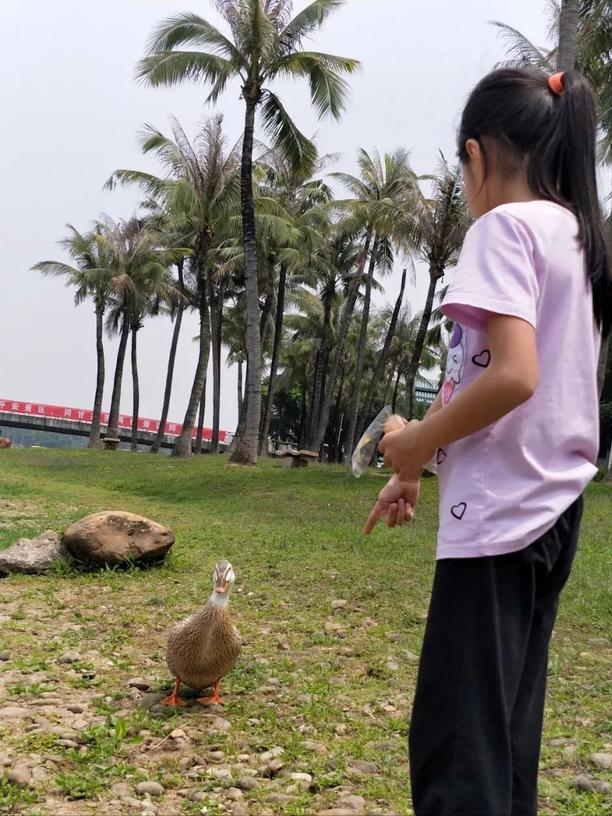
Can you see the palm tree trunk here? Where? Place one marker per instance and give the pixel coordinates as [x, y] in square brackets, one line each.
[321, 364]
[159, 437]
[202, 411]
[413, 365]
[278, 333]
[183, 445]
[381, 363]
[602, 368]
[113, 419]
[216, 324]
[239, 387]
[396, 389]
[347, 313]
[135, 391]
[246, 449]
[568, 35]
[94, 433]
[361, 348]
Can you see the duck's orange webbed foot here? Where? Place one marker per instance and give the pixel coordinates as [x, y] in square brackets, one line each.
[174, 699]
[214, 699]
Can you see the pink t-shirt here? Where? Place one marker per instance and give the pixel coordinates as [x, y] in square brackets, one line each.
[506, 485]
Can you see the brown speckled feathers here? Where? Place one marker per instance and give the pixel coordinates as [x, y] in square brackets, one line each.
[204, 647]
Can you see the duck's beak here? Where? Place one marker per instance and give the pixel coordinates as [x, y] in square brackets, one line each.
[221, 586]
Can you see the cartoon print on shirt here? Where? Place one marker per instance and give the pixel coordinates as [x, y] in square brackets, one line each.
[483, 359]
[454, 363]
[440, 456]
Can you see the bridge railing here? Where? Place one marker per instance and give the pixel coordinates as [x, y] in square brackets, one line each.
[85, 416]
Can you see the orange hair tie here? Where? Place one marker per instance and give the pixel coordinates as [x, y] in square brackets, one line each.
[556, 83]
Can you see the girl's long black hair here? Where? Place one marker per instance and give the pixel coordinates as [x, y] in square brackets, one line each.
[554, 137]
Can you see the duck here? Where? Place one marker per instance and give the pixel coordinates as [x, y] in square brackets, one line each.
[204, 647]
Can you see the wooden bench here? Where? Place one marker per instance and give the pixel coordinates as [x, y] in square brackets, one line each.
[297, 459]
[110, 443]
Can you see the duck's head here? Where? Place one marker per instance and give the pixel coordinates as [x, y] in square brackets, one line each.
[223, 581]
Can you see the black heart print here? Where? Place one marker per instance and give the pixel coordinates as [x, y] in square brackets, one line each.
[458, 510]
[483, 359]
[441, 456]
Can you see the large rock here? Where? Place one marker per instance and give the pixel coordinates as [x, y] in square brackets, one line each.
[114, 537]
[34, 555]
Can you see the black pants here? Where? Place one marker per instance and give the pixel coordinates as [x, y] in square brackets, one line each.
[477, 716]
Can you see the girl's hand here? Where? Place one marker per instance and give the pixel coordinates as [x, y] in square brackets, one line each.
[396, 503]
[403, 451]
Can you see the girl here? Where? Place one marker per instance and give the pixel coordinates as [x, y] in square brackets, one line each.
[514, 432]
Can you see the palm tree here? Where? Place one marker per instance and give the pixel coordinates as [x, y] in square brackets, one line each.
[202, 186]
[264, 44]
[382, 192]
[439, 224]
[91, 277]
[298, 259]
[233, 335]
[141, 281]
[378, 374]
[568, 35]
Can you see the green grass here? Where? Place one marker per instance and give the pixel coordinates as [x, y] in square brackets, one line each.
[294, 539]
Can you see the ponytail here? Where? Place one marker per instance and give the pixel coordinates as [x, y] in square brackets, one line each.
[552, 126]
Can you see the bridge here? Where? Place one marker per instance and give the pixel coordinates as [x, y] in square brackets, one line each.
[62, 419]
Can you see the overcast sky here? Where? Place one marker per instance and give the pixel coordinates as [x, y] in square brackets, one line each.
[71, 112]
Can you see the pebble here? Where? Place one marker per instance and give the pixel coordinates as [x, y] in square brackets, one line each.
[216, 756]
[587, 783]
[239, 809]
[152, 788]
[139, 683]
[340, 603]
[121, 789]
[131, 801]
[76, 708]
[67, 743]
[340, 729]
[234, 794]
[272, 768]
[88, 675]
[196, 796]
[394, 637]
[393, 666]
[178, 734]
[280, 798]
[13, 712]
[353, 802]
[19, 776]
[336, 811]
[570, 752]
[411, 657]
[317, 747]
[220, 773]
[219, 724]
[305, 778]
[5, 655]
[602, 760]
[246, 783]
[274, 681]
[69, 657]
[39, 774]
[363, 766]
[283, 645]
[5, 761]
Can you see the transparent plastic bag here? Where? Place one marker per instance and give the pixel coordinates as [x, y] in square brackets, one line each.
[366, 447]
[363, 453]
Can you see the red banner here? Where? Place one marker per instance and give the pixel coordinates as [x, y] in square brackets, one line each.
[82, 415]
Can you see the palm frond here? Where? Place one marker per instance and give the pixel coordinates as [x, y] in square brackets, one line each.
[521, 50]
[188, 28]
[308, 20]
[174, 67]
[328, 91]
[298, 150]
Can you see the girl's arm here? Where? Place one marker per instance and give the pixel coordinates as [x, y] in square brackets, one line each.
[511, 379]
